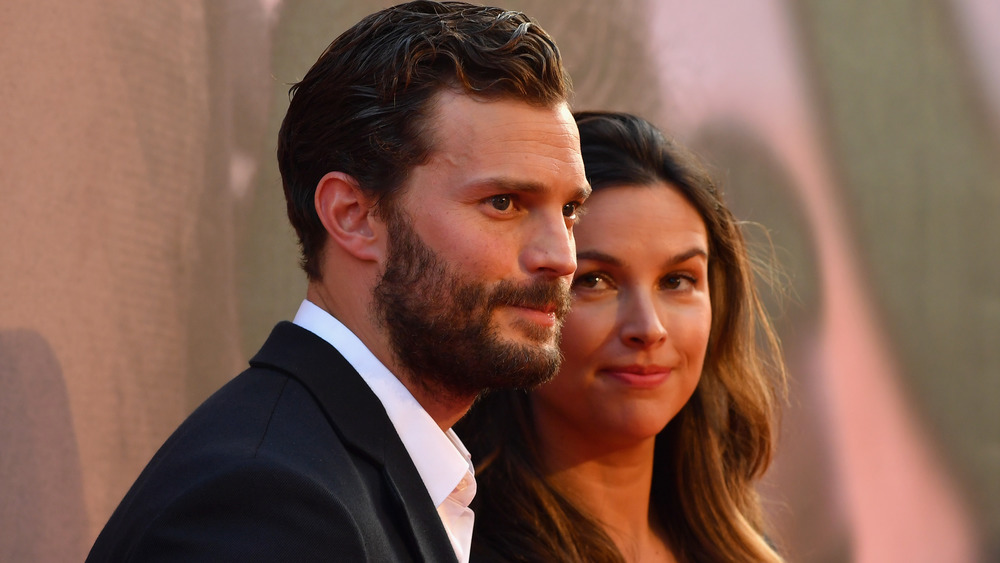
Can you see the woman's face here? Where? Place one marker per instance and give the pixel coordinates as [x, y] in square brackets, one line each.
[635, 340]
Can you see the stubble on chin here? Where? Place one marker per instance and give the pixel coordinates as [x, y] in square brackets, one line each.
[442, 327]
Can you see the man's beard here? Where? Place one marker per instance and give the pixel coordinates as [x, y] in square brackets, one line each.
[439, 324]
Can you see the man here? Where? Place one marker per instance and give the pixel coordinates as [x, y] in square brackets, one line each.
[432, 172]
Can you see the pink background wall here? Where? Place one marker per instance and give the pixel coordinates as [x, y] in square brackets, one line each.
[144, 253]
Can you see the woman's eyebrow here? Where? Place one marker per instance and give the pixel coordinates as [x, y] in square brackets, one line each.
[685, 256]
[598, 256]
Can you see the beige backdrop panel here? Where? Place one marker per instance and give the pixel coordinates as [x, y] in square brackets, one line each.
[144, 252]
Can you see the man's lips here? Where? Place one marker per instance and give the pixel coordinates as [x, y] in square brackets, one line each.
[636, 375]
[545, 315]
[544, 305]
[547, 309]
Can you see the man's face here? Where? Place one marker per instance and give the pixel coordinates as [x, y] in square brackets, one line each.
[480, 252]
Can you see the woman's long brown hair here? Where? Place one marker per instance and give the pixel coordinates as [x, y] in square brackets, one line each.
[709, 456]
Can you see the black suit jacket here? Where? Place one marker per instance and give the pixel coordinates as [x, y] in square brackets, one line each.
[293, 460]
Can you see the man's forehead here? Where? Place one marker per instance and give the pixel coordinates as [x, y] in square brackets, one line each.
[462, 111]
[503, 129]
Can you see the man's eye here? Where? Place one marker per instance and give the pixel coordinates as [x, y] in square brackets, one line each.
[569, 210]
[501, 202]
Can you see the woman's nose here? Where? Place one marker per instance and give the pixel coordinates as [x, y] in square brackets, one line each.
[643, 323]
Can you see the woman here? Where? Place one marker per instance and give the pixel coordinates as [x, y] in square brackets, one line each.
[647, 444]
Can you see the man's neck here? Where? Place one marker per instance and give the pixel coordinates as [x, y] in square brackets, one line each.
[442, 406]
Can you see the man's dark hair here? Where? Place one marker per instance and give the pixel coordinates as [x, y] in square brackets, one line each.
[362, 109]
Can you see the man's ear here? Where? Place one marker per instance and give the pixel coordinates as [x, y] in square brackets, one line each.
[346, 213]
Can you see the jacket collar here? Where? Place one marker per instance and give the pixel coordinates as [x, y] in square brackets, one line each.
[360, 421]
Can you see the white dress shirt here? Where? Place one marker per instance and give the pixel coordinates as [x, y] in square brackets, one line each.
[443, 462]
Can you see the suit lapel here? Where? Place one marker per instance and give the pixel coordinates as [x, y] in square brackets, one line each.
[359, 418]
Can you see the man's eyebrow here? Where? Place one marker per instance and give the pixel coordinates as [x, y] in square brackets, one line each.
[519, 186]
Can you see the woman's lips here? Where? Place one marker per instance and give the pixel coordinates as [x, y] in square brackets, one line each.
[644, 377]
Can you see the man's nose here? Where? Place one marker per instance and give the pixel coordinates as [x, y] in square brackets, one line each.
[551, 250]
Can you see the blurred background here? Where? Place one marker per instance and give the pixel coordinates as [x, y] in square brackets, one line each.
[145, 255]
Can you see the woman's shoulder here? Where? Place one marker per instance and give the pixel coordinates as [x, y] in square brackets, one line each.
[482, 553]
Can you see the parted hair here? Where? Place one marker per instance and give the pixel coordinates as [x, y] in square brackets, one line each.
[363, 108]
[708, 457]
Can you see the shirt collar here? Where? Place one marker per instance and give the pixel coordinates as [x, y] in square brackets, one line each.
[440, 457]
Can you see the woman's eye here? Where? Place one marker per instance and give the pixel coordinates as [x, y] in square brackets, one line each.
[593, 280]
[678, 282]
[501, 202]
